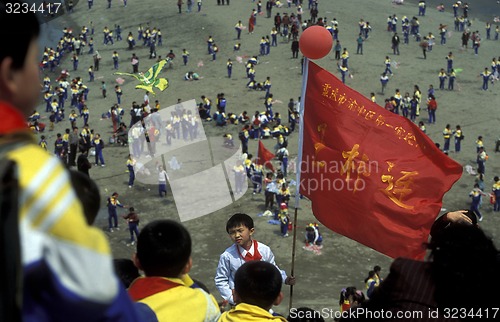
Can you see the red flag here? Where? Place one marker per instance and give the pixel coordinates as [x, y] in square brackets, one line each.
[371, 175]
[264, 157]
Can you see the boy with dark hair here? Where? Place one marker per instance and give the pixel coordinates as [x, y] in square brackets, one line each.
[133, 224]
[257, 289]
[167, 293]
[240, 228]
[56, 267]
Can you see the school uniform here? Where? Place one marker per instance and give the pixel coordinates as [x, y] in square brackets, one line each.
[113, 203]
[173, 299]
[235, 256]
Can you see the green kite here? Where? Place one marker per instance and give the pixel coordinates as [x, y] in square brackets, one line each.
[150, 79]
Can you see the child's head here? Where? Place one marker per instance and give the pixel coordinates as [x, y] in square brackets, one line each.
[19, 68]
[239, 219]
[371, 275]
[240, 228]
[126, 271]
[164, 249]
[346, 294]
[258, 283]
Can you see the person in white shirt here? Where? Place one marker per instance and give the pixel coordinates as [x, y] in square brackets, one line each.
[162, 181]
[240, 228]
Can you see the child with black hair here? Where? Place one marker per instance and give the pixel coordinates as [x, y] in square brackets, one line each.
[126, 271]
[228, 140]
[346, 295]
[257, 288]
[312, 235]
[240, 228]
[167, 291]
[370, 283]
[43, 142]
[133, 224]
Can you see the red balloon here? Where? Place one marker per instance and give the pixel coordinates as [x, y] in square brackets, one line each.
[315, 42]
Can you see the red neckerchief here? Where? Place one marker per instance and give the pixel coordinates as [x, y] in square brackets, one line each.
[249, 257]
[147, 286]
[12, 119]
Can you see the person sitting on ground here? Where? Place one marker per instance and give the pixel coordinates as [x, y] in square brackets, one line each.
[257, 287]
[121, 134]
[167, 292]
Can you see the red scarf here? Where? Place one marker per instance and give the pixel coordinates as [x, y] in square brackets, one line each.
[12, 119]
[249, 257]
[147, 286]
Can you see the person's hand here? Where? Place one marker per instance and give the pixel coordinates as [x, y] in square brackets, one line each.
[290, 280]
[459, 217]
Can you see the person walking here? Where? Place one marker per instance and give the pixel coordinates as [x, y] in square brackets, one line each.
[384, 79]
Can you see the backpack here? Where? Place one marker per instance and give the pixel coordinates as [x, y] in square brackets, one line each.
[241, 135]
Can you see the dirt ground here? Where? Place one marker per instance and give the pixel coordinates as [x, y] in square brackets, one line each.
[342, 261]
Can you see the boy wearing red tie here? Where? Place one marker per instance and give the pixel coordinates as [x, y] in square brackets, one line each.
[240, 228]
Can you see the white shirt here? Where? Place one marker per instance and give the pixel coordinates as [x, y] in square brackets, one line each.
[162, 176]
[229, 263]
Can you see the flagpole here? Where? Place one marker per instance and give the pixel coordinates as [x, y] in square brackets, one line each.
[305, 69]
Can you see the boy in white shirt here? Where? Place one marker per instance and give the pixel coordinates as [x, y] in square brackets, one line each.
[240, 228]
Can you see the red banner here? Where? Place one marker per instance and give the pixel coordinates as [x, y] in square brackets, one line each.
[264, 157]
[371, 175]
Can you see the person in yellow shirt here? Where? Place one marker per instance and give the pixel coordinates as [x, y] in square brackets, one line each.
[167, 291]
[344, 58]
[447, 133]
[185, 56]
[257, 287]
[479, 143]
[238, 27]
